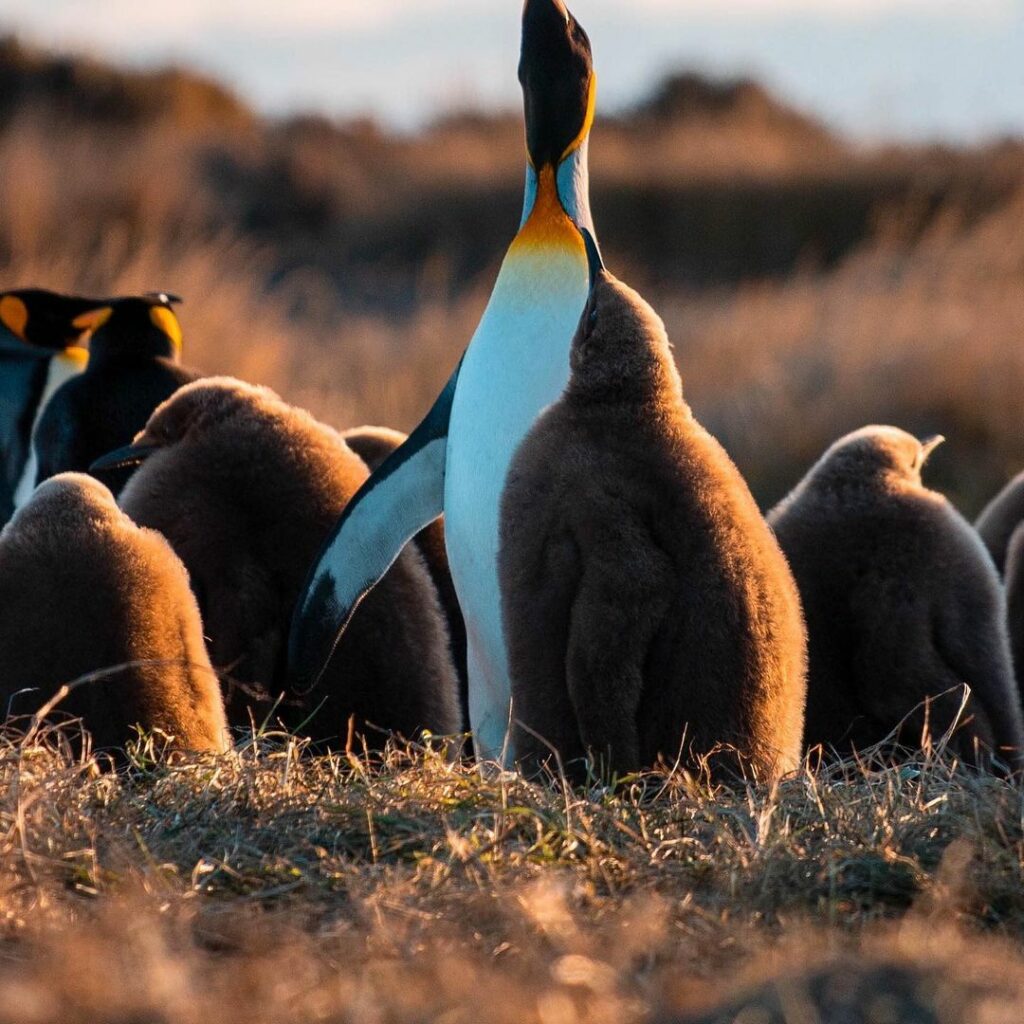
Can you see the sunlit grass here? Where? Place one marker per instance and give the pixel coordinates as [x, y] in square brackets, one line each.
[476, 887]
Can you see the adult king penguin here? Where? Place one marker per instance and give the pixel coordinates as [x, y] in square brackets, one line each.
[40, 349]
[133, 366]
[517, 363]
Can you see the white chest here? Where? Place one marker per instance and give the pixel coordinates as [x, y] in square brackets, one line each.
[516, 365]
[62, 368]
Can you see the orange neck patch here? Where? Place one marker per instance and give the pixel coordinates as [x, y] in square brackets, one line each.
[14, 315]
[548, 225]
[588, 118]
[76, 356]
[167, 323]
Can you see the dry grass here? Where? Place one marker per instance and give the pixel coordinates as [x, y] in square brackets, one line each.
[272, 885]
[930, 339]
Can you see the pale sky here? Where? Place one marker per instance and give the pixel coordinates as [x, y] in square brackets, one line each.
[906, 68]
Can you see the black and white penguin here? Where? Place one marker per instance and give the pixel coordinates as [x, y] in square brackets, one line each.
[133, 366]
[456, 462]
[41, 348]
[903, 605]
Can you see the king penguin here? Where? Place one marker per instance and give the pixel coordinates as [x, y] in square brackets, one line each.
[133, 366]
[517, 363]
[40, 349]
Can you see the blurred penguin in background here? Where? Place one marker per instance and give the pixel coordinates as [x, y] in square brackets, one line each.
[133, 366]
[84, 591]
[1002, 517]
[246, 488]
[1001, 528]
[40, 349]
[903, 606]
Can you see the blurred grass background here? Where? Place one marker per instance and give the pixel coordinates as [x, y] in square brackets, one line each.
[810, 285]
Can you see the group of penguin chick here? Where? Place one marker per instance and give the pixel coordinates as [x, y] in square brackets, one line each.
[652, 613]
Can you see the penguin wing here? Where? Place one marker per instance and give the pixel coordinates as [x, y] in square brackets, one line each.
[404, 494]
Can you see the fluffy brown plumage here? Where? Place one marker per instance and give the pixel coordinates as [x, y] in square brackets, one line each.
[902, 602]
[1001, 527]
[1014, 577]
[373, 445]
[1001, 519]
[246, 488]
[83, 589]
[648, 610]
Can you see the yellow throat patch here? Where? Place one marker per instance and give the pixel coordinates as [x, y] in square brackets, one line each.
[167, 323]
[14, 315]
[548, 225]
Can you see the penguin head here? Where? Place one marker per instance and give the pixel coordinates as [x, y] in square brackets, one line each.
[880, 454]
[192, 412]
[559, 97]
[45, 319]
[559, 88]
[72, 499]
[620, 349]
[138, 325]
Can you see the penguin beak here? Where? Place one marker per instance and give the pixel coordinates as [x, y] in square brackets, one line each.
[130, 455]
[595, 261]
[929, 444]
[93, 320]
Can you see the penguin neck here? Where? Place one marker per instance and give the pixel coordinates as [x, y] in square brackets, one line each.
[572, 188]
[143, 347]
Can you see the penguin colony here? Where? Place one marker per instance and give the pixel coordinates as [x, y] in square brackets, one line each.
[558, 559]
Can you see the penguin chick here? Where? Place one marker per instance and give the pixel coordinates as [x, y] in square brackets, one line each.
[133, 367]
[902, 601]
[85, 590]
[247, 488]
[649, 610]
[1014, 577]
[373, 445]
[1000, 520]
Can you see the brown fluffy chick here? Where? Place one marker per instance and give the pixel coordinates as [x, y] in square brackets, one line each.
[85, 590]
[246, 488]
[1001, 518]
[903, 604]
[1001, 528]
[649, 611]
